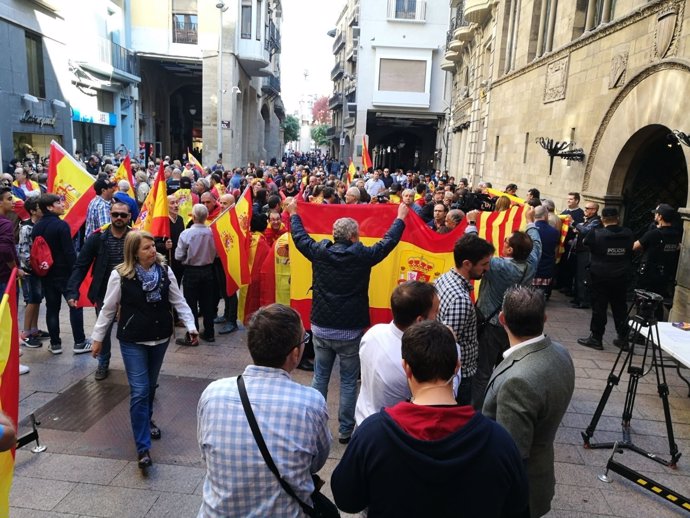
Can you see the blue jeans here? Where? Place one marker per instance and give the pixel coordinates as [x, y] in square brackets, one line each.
[348, 352]
[142, 365]
[104, 355]
[54, 289]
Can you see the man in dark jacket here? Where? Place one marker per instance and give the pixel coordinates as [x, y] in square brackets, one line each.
[59, 239]
[102, 251]
[340, 301]
[421, 458]
[592, 221]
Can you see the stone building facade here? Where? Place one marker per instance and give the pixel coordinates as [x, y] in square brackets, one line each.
[604, 79]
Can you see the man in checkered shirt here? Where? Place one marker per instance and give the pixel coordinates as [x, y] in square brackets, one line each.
[472, 255]
[292, 418]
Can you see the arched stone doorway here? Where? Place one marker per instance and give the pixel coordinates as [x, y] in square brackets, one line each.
[655, 172]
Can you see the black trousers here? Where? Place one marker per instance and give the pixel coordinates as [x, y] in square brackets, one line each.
[607, 291]
[582, 280]
[492, 343]
[198, 285]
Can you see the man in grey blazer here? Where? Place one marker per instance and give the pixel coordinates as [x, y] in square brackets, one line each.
[529, 391]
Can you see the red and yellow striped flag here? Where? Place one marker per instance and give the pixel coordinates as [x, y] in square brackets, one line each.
[250, 295]
[69, 180]
[351, 171]
[124, 172]
[275, 273]
[154, 212]
[495, 193]
[565, 226]
[366, 157]
[233, 240]
[196, 165]
[9, 382]
[422, 254]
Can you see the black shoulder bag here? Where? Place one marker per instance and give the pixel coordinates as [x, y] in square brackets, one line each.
[323, 507]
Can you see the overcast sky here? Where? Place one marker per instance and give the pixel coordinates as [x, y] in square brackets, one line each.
[305, 46]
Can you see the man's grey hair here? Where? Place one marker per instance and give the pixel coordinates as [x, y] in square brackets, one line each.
[540, 212]
[354, 192]
[549, 204]
[524, 310]
[123, 185]
[205, 183]
[344, 229]
[409, 191]
[199, 213]
[456, 215]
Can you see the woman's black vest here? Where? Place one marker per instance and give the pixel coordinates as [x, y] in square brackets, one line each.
[142, 321]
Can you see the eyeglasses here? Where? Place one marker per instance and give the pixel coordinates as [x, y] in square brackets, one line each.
[121, 215]
[307, 337]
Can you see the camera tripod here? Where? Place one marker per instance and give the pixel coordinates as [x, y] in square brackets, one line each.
[645, 303]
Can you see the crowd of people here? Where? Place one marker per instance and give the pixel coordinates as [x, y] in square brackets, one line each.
[455, 380]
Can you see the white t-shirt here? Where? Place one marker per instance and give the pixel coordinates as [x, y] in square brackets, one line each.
[384, 382]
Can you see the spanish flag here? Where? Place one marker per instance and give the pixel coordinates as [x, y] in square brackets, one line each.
[351, 171]
[124, 172]
[186, 203]
[366, 158]
[9, 382]
[250, 295]
[69, 180]
[233, 241]
[275, 273]
[154, 212]
[196, 165]
[421, 255]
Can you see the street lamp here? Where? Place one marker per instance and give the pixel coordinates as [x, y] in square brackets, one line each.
[222, 8]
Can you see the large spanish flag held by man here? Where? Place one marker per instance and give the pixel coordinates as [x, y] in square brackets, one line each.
[250, 296]
[366, 157]
[124, 172]
[233, 241]
[69, 180]
[154, 212]
[422, 254]
[9, 382]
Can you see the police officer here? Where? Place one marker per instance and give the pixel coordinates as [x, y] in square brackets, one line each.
[660, 247]
[592, 221]
[610, 267]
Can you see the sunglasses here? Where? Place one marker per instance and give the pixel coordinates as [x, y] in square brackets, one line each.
[121, 215]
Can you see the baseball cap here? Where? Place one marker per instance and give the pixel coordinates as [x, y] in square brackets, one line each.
[665, 211]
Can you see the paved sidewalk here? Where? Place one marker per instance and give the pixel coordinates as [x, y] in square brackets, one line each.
[89, 468]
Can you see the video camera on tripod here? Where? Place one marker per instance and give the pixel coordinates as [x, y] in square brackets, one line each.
[647, 303]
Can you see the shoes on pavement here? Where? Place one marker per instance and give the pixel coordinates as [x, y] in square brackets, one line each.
[55, 348]
[144, 460]
[592, 342]
[155, 431]
[101, 373]
[344, 440]
[219, 320]
[306, 365]
[23, 369]
[41, 335]
[82, 347]
[32, 342]
[227, 328]
[209, 339]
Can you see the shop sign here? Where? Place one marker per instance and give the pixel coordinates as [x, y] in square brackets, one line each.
[31, 118]
[94, 117]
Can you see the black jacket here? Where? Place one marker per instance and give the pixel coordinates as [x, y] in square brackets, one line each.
[611, 251]
[341, 271]
[140, 320]
[59, 238]
[94, 252]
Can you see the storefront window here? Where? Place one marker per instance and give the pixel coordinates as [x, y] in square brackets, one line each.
[33, 144]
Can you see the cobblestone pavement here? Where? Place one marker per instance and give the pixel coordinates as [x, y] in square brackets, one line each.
[89, 468]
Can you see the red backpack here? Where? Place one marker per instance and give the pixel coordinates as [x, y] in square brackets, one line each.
[40, 258]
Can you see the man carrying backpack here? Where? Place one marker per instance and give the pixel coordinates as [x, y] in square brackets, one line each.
[57, 236]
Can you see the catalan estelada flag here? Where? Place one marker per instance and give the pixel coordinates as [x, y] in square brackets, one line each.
[69, 180]
[124, 172]
[250, 295]
[421, 255]
[154, 212]
[233, 241]
[366, 157]
[351, 171]
[196, 165]
[9, 382]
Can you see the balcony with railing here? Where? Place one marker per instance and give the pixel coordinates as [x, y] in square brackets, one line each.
[185, 31]
[272, 39]
[476, 11]
[407, 10]
[107, 57]
[335, 101]
[337, 71]
[339, 43]
[271, 86]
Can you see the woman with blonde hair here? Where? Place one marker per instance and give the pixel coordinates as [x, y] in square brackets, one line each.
[144, 291]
